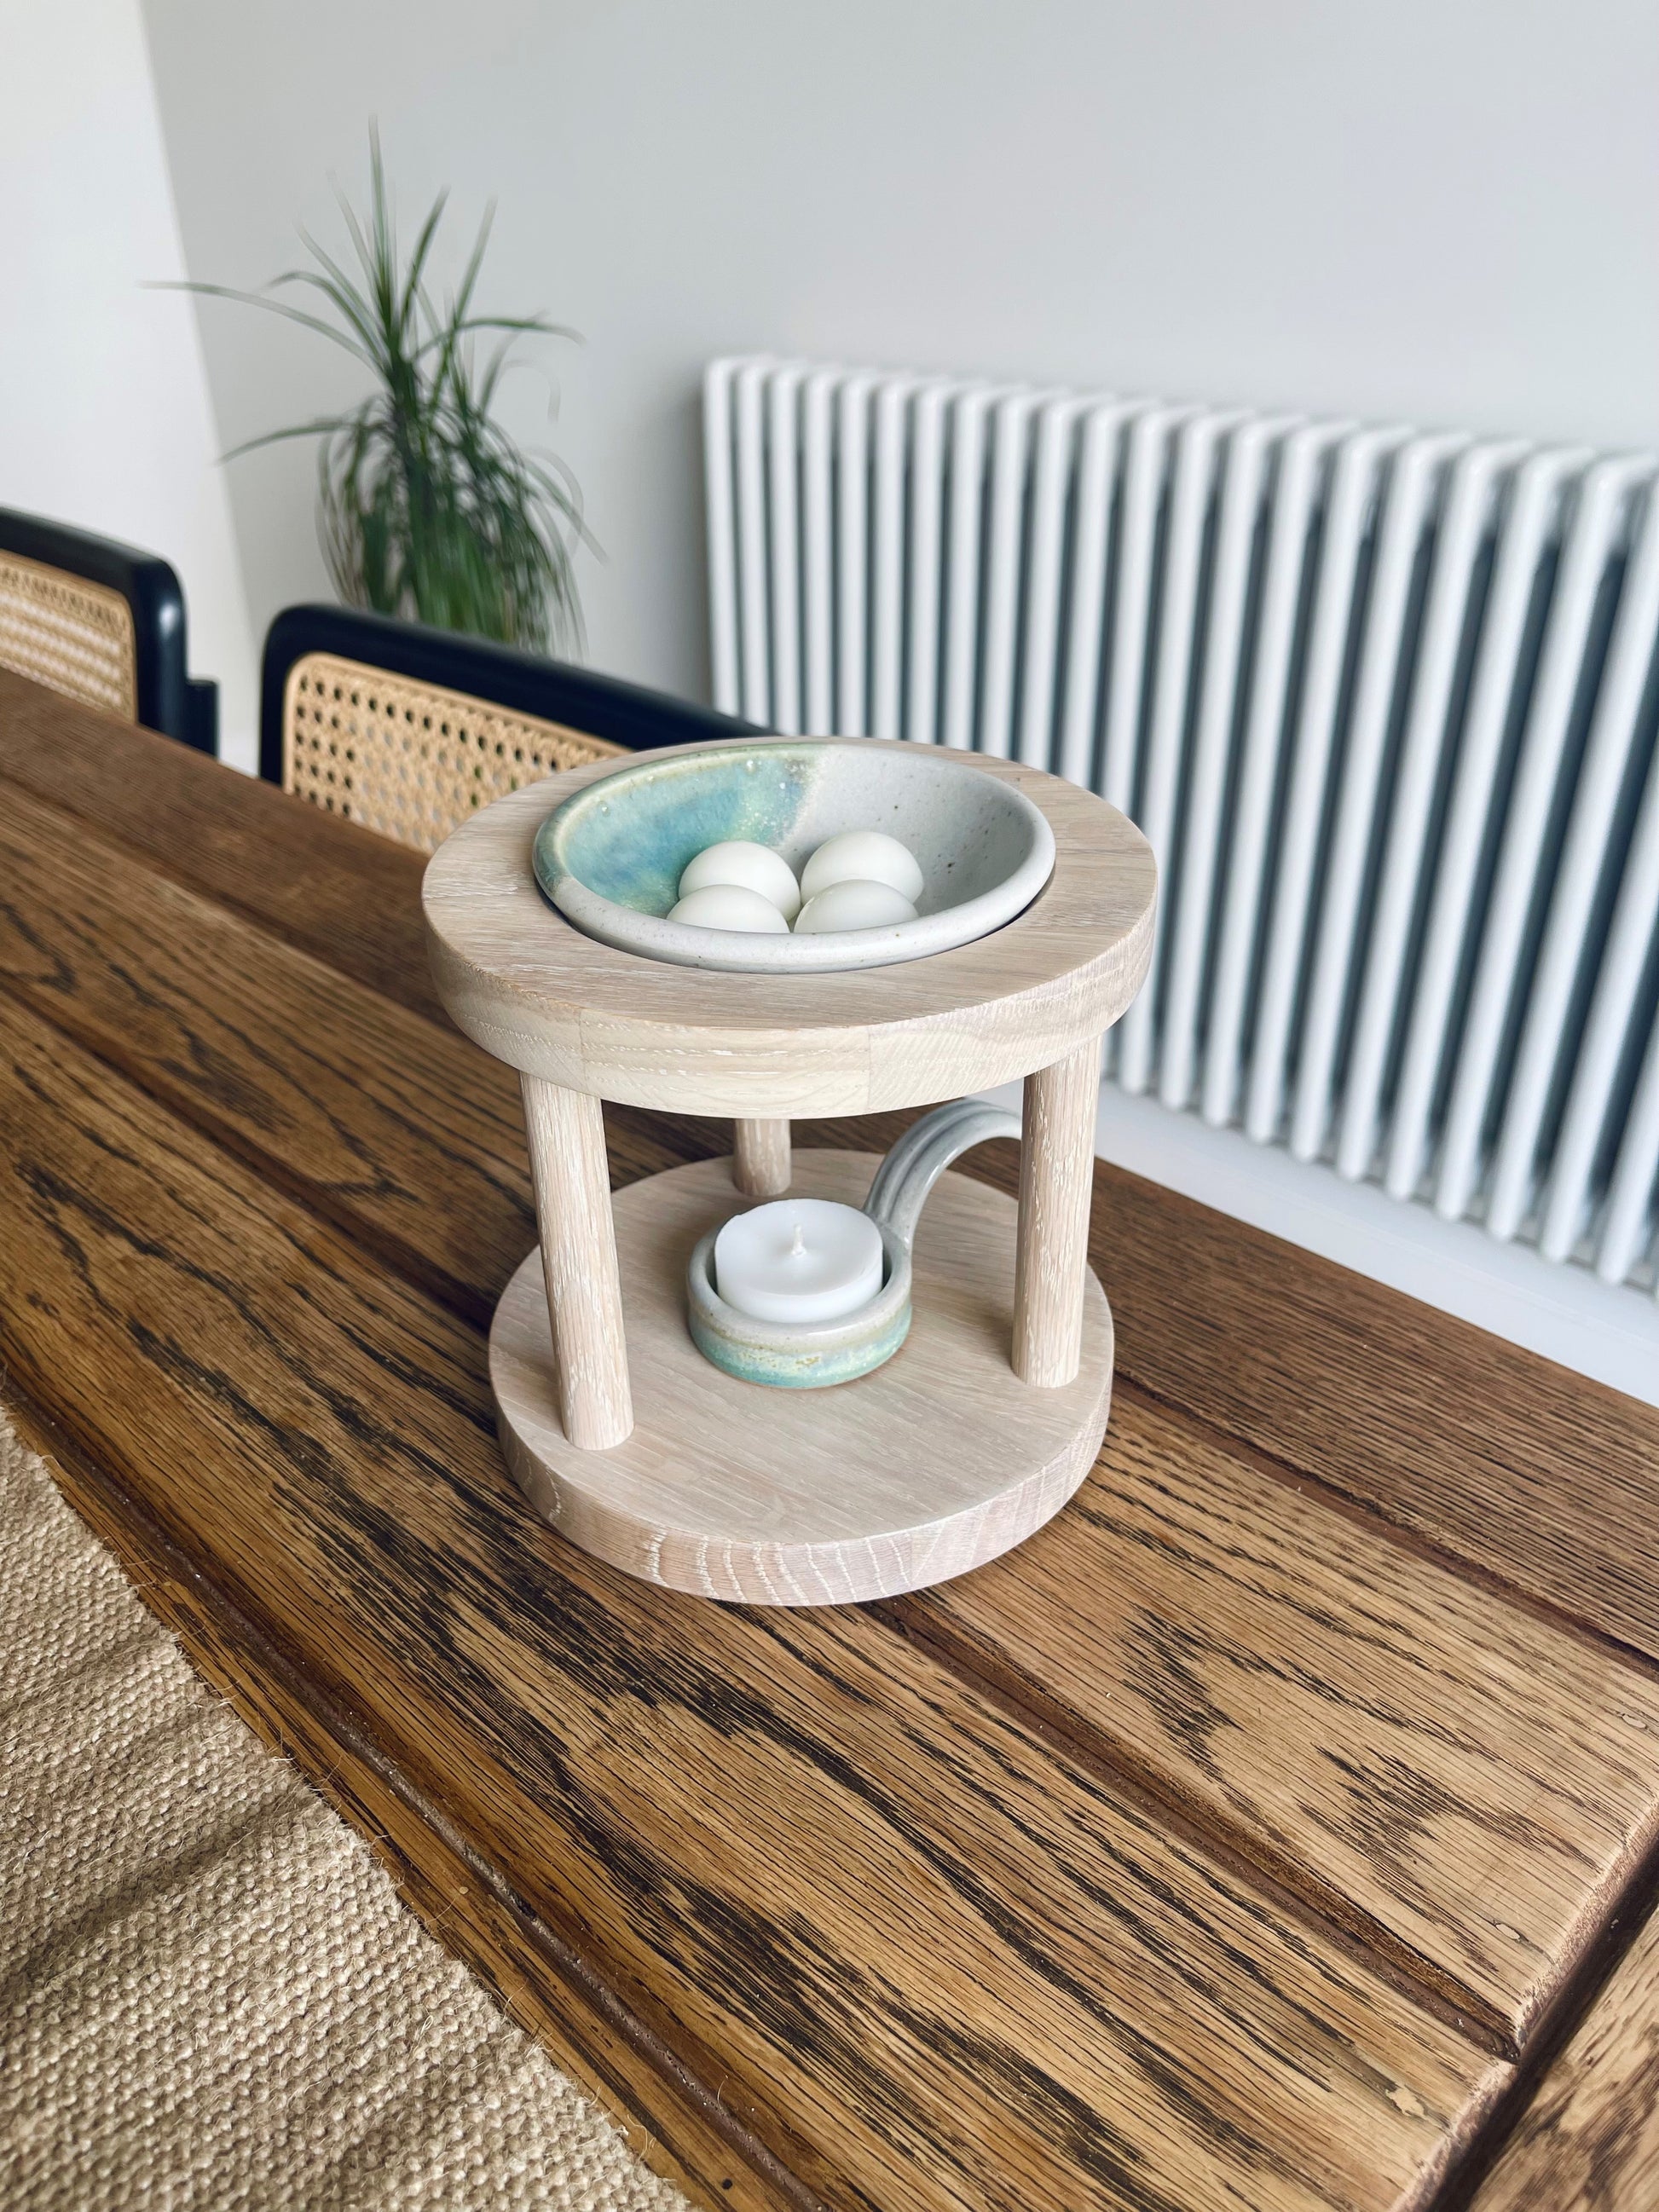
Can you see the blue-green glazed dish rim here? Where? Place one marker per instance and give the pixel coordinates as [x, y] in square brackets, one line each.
[610, 858]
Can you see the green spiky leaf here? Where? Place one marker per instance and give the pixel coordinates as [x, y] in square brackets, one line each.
[426, 507]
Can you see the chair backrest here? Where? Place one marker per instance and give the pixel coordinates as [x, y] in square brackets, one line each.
[407, 730]
[101, 623]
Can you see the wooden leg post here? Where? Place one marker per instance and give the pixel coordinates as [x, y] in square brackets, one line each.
[1056, 1183]
[579, 1260]
[760, 1164]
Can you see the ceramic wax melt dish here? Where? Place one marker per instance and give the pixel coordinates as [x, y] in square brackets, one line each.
[972, 1353]
[611, 858]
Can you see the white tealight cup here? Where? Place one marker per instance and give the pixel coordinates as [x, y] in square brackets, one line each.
[798, 1260]
[750, 866]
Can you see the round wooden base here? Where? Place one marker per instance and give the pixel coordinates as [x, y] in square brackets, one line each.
[933, 1465]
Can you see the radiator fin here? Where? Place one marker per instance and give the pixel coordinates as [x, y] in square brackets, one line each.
[1384, 701]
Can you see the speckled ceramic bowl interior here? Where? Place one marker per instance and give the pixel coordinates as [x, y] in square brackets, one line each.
[611, 858]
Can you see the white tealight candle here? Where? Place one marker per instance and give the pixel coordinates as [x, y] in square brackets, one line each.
[854, 906]
[729, 906]
[798, 1260]
[865, 856]
[753, 867]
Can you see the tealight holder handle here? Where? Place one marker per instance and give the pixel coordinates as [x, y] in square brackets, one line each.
[922, 1154]
[813, 1355]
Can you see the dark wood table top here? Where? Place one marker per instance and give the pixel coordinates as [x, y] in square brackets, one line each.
[1276, 1828]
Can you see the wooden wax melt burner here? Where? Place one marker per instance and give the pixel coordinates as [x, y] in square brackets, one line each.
[616, 1427]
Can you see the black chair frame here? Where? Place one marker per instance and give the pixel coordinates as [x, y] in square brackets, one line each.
[550, 690]
[169, 699]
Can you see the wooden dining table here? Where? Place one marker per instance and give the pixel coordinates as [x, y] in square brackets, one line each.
[1278, 1827]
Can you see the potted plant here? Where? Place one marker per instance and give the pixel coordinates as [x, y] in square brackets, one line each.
[426, 507]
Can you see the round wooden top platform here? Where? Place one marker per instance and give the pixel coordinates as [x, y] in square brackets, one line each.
[533, 991]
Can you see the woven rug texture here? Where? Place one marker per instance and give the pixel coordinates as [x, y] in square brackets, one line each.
[209, 1993]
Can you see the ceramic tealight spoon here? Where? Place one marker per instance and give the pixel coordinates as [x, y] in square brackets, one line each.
[796, 1356]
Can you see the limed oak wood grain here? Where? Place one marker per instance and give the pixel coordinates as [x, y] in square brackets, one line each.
[1056, 1186]
[535, 992]
[410, 1138]
[760, 1158]
[930, 1962]
[581, 1289]
[1589, 2141]
[1540, 1479]
[1476, 1782]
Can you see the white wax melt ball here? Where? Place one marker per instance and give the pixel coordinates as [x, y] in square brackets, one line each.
[865, 856]
[752, 867]
[729, 906]
[854, 906]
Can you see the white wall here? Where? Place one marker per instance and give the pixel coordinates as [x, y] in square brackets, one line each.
[1434, 211]
[1439, 209]
[104, 414]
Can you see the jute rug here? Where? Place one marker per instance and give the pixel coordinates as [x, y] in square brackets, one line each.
[209, 1993]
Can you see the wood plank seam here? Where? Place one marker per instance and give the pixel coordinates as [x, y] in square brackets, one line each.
[476, 1308]
[1317, 1906]
[1354, 1710]
[1399, 1534]
[67, 1454]
[875, 1132]
[245, 911]
[1571, 2006]
[1236, 1418]
[78, 764]
[1319, 1909]
[1067, 1963]
[639, 1143]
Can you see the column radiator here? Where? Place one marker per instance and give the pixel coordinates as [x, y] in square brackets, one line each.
[1384, 700]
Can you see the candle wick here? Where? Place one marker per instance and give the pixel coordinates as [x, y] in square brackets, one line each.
[797, 1246]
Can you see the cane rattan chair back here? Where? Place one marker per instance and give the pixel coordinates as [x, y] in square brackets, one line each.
[74, 635]
[101, 623]
[411, 760]
[407, 731]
